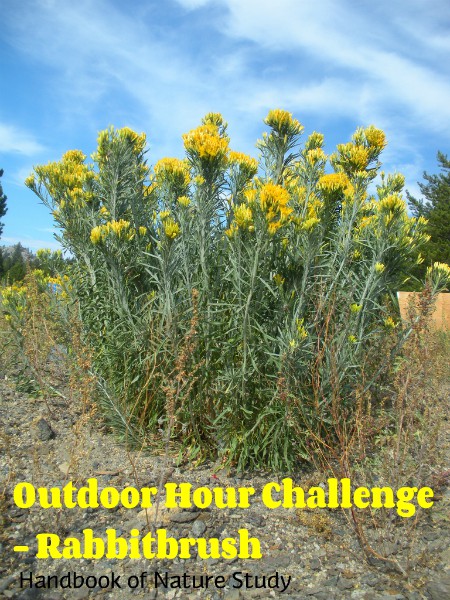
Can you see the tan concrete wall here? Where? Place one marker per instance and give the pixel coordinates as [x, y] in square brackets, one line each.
[441, 315]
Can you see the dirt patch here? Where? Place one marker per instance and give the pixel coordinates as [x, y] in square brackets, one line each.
[49, 443]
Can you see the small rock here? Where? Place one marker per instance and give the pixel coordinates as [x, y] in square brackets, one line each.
[45, 432]
[64, 468]
[445, 556]
[30, 594]
[439, 589]
[232, 594]
[183, 517]
[198, 528]
[80, 594]
[345, 584]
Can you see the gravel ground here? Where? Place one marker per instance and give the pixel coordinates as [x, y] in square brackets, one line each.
[49, 443]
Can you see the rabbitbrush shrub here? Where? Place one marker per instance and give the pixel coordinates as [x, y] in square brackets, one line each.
[227, 298]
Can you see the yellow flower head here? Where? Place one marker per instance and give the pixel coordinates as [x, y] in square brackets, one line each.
[392, 203]
[199, 180]
[309, 224]
[278, 279]
[231, 231]
[273, 200]
[355, 156]
[352, 339]
[301, 331]
[74, 156]
[379, 267]
[355, 308]
[366, 221]
[30, 181]
[315, 156]
[283, 123]
[119, 228]
[171, 228]
[334, 182]
[273, 227]
[389, 323]
[243, 216]
[375, 137]
[138, 140]
[142, 230]
[184, 201]
[251, 195]
[314, 141]
[440, 272]
[246, 163]
[173, 170]
[206, 143]
[96, 234]
[273, 197]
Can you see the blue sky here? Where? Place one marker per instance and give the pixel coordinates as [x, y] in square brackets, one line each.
[70, 69]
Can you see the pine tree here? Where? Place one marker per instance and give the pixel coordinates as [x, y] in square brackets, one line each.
[435, 207]
[3, 208]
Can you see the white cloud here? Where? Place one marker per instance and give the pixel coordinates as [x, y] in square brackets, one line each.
[357, 43]
[332, 59]
[16, 141]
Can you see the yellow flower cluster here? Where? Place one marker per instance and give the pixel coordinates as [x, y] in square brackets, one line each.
[184, 201]
[315, 156]
[335, 182]
[243, 216]
[366, 222]
[392, 203]
[283, 123]
[67, 178]
[12, 292]
[355, 308]
[389, 323]
[206, 143]
[120, 229]
[109, 136]
[138, 140]
[14, 300]
[246, 163]
[309, 224]
[440, 273]
[171, 228]
[356, 156]
[315, 141]
[173, 170]
[379, 267]
[232, 230]
[301, 331]
[442, 267]
[273, 201]
[278, 279]
[60, 285]
[375, 137]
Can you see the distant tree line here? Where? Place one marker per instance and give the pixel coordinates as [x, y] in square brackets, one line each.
[15, 261]
[435, 207]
